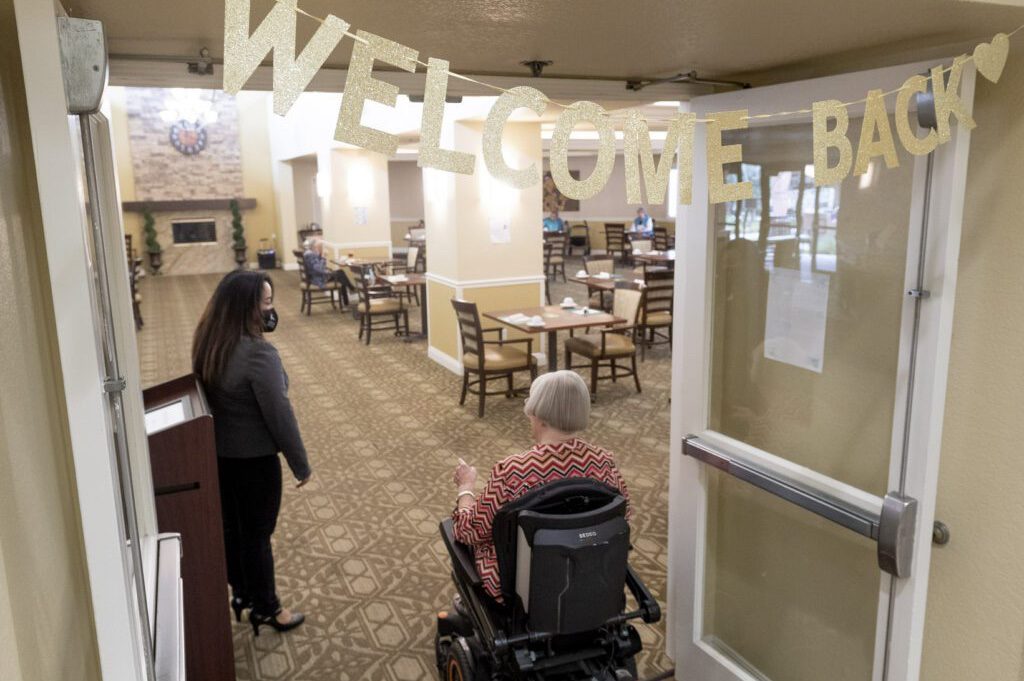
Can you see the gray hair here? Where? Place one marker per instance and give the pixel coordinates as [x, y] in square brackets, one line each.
[560, 399]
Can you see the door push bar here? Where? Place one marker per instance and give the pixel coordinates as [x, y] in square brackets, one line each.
[892, 529]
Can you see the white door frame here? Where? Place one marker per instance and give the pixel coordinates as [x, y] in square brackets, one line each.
[57, 160]
[690, 379]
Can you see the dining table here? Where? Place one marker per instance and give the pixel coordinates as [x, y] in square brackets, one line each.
[555, 318]
[408, 280]
[667, 258]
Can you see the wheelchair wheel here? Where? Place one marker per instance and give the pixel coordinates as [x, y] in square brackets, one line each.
[459, 665]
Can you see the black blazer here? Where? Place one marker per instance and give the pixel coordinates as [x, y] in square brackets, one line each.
[251, 413]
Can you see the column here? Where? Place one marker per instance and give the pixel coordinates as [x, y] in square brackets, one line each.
[484, 240]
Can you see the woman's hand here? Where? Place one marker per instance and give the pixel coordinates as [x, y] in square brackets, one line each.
[465, 476]
[302, 483]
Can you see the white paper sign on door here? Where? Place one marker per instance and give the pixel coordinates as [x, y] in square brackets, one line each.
[794, 330]
[362, 215]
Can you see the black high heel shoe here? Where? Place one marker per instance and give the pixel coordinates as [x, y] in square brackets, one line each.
[238, 605]
[257, 620]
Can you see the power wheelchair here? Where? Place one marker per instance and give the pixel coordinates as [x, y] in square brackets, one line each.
[562, 558]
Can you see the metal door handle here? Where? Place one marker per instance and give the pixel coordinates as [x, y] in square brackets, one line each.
[892, 529]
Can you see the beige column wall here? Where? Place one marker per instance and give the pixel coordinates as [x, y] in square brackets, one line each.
[261, 223]
[358, 179]
[462, 260]
[975, 619]
[46, 629]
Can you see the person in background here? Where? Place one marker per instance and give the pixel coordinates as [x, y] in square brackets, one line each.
[558, 407]
[553, 223]
[643, 225]
[317, 271]
[247, 390]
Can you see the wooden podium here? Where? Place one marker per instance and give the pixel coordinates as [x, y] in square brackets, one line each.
[183, 457]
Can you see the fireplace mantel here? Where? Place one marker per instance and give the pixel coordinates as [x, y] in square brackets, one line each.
[185, 204]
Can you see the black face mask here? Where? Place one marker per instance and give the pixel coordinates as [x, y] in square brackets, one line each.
[269, 320]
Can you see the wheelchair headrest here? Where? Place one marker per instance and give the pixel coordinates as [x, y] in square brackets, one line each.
[575, 501]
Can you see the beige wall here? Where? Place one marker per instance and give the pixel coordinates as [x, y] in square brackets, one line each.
[358, 179]
[306, 199]
[406, 181]
[975, 619]
[46, 619]
[610, 203]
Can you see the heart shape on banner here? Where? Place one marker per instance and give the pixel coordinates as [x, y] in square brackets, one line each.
[991, 57]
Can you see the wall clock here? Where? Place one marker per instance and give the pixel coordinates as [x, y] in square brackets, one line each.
[188, 137]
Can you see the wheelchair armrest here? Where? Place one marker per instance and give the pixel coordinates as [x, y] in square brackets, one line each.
[462, 559]
[648, 605]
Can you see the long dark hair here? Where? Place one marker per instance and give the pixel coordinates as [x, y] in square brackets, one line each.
[233, 312]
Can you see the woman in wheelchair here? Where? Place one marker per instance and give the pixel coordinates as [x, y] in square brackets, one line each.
[558, 407]
[540, 558]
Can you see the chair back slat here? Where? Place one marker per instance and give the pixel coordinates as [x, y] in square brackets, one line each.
[642, 245]
[412, 258]
[468, 317]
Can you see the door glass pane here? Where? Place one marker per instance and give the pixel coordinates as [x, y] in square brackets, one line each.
[808, 292]
[788, 594]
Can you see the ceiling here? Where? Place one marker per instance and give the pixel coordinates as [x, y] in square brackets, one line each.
[608, 39]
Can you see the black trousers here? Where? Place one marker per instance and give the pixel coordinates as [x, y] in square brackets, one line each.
[250, 498]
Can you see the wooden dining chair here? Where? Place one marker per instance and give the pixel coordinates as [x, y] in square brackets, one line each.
[615, 239]
[313, 294]
[579, 237]
[406, 266]
[661, 239]
[656, 315]
[555, 262]
[489, 359]
[378, 309]
[548, 251]
[613, 343]
[596, 265]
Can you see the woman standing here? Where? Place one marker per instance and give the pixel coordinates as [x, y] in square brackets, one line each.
[253, 420]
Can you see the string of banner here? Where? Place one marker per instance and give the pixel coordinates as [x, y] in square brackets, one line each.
[244, 51]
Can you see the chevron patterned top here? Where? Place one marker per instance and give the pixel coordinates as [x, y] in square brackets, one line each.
[513, 477]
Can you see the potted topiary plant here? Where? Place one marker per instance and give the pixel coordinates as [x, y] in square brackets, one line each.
[238, 233]
[152, 245]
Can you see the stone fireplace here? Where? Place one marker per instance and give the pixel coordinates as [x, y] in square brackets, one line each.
[188, 194]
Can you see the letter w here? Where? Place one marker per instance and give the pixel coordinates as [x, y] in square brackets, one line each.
[243, 53]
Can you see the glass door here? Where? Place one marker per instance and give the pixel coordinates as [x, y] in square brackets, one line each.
[808, 384]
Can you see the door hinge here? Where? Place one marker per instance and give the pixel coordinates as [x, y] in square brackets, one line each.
[919, 293]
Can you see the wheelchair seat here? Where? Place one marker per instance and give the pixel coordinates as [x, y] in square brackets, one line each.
[562, 552]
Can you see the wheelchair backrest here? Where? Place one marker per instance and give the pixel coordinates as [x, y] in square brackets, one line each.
[562, 553]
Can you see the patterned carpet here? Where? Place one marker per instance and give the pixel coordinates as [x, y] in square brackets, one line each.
[358, 550]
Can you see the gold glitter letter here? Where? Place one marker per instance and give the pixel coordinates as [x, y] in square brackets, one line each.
[918, 146]
[360, 85]
[824, 139]
[507, 102]
[718, 155]
[243, 53]
[947, 101]
[431, 153]
[875, 120]
[638, 143]
[567, 120]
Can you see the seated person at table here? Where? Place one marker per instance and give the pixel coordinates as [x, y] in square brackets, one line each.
[317, 271]
[643, 225]
[553, 223]
[558, 407]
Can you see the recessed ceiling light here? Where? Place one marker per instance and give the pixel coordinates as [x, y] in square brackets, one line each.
[667, 103]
